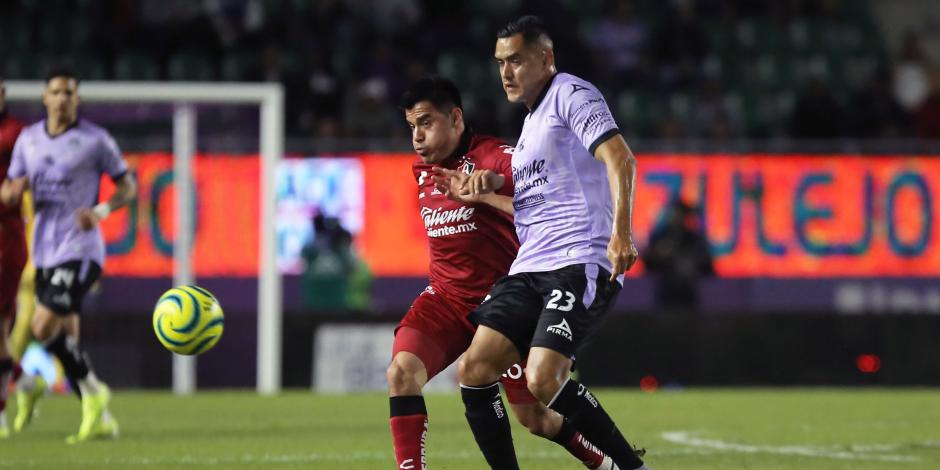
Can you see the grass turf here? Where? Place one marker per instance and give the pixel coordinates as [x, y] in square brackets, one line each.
[763, 429]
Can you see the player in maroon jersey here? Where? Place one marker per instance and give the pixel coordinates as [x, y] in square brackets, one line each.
[472, 243]
[13, 254]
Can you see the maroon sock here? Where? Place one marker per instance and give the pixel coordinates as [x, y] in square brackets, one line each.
[578, 446]
[6, 372]
[17, 372]
[409, 422]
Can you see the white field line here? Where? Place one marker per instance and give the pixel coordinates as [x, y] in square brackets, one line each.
[855, 452]
[308, 458]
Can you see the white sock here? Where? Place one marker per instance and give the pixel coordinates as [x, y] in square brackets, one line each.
[3, 419]
[90, 384]
[26, 382]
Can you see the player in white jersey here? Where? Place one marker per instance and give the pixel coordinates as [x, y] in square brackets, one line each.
[62, 159]
[573, 178]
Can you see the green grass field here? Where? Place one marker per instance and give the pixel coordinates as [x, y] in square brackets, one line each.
[757, 429]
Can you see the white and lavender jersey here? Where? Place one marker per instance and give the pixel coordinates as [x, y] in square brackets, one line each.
[64, 175]
[562, 197]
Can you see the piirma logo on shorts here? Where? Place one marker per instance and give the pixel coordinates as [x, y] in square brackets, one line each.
[562, 329]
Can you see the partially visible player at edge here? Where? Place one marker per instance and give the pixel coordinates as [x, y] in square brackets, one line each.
[573, 200]
[61, 159]
[13, 254]
[472, 243]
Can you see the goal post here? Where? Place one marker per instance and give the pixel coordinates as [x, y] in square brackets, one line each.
[184, 95]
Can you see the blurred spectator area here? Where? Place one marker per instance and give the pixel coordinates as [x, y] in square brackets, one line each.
[699, 69]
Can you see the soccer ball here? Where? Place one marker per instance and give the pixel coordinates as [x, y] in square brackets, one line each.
[188, 320]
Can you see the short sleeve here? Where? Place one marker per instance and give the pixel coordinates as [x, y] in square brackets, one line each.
[17, 167]
[504, 167]
[587, 114]
[112, 162]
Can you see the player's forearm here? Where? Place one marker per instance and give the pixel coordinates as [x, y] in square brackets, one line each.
[621, 174]
[500, 202]
[125, 192]
[11, 192]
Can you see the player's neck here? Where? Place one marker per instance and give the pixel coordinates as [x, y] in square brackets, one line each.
[55, 127]
[543, 89]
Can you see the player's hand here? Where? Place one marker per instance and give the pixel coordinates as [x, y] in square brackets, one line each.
[622, 254]
[484, 182]
[454, 184]
[86, 219]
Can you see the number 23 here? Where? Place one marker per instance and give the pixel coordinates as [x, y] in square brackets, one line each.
[556, 296]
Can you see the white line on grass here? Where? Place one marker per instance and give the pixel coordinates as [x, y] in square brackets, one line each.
[857, 452]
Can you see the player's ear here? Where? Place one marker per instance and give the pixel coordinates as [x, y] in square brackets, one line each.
[456, 115]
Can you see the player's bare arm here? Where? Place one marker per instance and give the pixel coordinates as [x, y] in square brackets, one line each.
[125, 192]
[12, 190]
[478, 187]
[621, 173]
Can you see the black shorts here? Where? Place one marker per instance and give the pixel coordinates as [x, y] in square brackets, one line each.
[554, 309]
[62, 288]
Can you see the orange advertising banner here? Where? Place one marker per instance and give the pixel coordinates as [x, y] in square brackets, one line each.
[766, 216]
[140, 238]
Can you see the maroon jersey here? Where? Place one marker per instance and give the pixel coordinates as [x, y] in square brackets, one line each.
[9, 130]
[471, 245]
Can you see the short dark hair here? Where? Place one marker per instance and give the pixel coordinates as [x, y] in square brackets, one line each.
[532, 28]
[441, 92]
[60, 71]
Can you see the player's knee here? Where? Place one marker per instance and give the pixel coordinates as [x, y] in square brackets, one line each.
[401, 381]
[43, 329]
[472, 371]
[542, 383]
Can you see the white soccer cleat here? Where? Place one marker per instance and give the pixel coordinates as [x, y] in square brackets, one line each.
[607, 464]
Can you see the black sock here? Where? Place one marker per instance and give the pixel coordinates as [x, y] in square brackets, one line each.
[490, 425]
[6, 365]
[565, 433]
[576, 403]
[407, 405]
[73, 361]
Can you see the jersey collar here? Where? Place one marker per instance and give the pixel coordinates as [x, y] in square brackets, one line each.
[45, 128]
[542, 93]
[462, 148]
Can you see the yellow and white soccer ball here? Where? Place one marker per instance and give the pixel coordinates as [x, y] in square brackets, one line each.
[188, 320]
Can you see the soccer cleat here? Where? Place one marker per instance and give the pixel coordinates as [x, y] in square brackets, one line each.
[26, 403]
[93, 405]
[607, 464]
[107, 429]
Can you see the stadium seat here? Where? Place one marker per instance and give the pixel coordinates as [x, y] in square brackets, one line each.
[758, 36]
[55, 37]
[720, 37]
[89, 67]
[464, 70]
[189, 66]
[636, 112]
[136, 66]
[26, 66]
[236, 66]
[17, 36]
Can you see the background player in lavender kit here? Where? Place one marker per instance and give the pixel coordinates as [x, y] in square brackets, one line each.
[62, 159]
[472, 243]
[573, 198]
[13, 254]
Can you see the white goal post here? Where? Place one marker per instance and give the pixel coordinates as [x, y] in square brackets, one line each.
[270, 99]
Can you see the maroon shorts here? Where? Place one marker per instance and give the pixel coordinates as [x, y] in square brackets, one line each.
[13, 254]
[437, 330]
